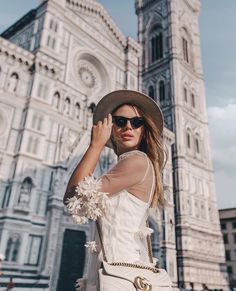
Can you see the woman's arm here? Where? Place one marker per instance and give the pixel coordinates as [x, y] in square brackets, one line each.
[100, 135]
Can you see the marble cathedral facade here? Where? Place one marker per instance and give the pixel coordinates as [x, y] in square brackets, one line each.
[56, 63]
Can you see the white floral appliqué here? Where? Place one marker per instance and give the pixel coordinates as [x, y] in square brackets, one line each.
[89, 202]
[144, 232]
[92, 246]
[80, 284]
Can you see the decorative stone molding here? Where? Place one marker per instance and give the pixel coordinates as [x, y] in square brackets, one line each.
[89, 72]
[47, 65]
[15, 52]
[94, 8]
[136, 47]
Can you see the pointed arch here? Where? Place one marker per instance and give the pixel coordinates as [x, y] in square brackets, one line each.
[77, 110]
[162, 92]
[56, 100]
[155, 43]
[186, 45]
[193, 100]
[13, 248]
[13, 82]
[197, 143]
[154, 39]
[151, 92]
[185, 93]
[25, 193]
[92, 107]
[188, 135]
[67, 106]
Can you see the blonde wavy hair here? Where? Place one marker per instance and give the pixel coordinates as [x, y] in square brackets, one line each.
[152, 145]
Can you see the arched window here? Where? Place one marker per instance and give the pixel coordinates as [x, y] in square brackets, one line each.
[151, 92]
[185, 94]
[77, 110]
[25, 192]
[13, 82]
[13, 247]
[37, 122]
[55, 27]
[51, 24]
[35, 148]
[186, 45]
[53, 43]
[34, 121]
[67, 106]
[185, 48]
[56, 100]
[29, 145]
[188, 139]
[193, 100]
[197, 145]
[161, 91]
[156, 44]
[32, 146]
[42, 90]
[92, 107]
[6, 198]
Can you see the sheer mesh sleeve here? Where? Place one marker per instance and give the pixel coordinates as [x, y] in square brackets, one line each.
[132, 172]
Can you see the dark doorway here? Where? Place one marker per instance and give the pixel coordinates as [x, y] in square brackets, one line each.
[73, 259]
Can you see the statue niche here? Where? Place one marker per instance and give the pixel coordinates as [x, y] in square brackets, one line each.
[25, 192]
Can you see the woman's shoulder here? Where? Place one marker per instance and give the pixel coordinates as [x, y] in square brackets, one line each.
[135, 154]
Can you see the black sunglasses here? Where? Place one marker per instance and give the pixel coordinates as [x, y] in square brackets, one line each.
[121, 121]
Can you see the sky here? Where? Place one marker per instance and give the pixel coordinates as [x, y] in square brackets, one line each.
[218, 44]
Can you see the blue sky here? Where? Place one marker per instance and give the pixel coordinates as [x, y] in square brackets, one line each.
[218, 42]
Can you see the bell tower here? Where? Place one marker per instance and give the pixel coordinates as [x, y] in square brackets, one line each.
[171, 72]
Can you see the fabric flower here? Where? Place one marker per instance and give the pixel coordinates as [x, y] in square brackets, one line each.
[92, 246]
[80, 284]
[89, 202]
[144, 232]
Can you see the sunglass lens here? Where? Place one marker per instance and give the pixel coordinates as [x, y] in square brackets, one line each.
[137, 122]
[119, 121]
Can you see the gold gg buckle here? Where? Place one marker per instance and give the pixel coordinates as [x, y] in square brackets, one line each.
[142, 283]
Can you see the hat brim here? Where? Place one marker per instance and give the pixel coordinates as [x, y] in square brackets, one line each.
[116, 98]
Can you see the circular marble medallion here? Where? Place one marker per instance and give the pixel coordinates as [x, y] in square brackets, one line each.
[87, 77]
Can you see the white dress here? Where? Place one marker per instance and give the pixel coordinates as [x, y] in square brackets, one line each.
[124, 230]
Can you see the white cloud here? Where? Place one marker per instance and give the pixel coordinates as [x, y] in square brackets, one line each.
[222, 122]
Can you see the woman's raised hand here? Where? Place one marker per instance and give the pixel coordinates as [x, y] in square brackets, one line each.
[101, 132]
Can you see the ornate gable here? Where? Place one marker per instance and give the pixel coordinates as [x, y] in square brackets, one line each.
[94, 13]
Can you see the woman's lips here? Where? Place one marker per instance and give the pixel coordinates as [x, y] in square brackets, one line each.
[127, 136]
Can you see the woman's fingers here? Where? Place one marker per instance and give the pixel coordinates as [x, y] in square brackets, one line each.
[109, 119]
[101, 132]
[105, 121]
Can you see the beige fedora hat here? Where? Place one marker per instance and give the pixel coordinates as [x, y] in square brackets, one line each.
[116, 98]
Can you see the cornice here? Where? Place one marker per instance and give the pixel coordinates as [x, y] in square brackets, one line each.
[91, 7]
[47, 64]
[15, 52]
[134, 45]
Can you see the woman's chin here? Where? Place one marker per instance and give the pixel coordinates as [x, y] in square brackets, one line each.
[128, 145]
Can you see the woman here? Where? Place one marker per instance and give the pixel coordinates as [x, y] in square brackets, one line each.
[132, 124]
